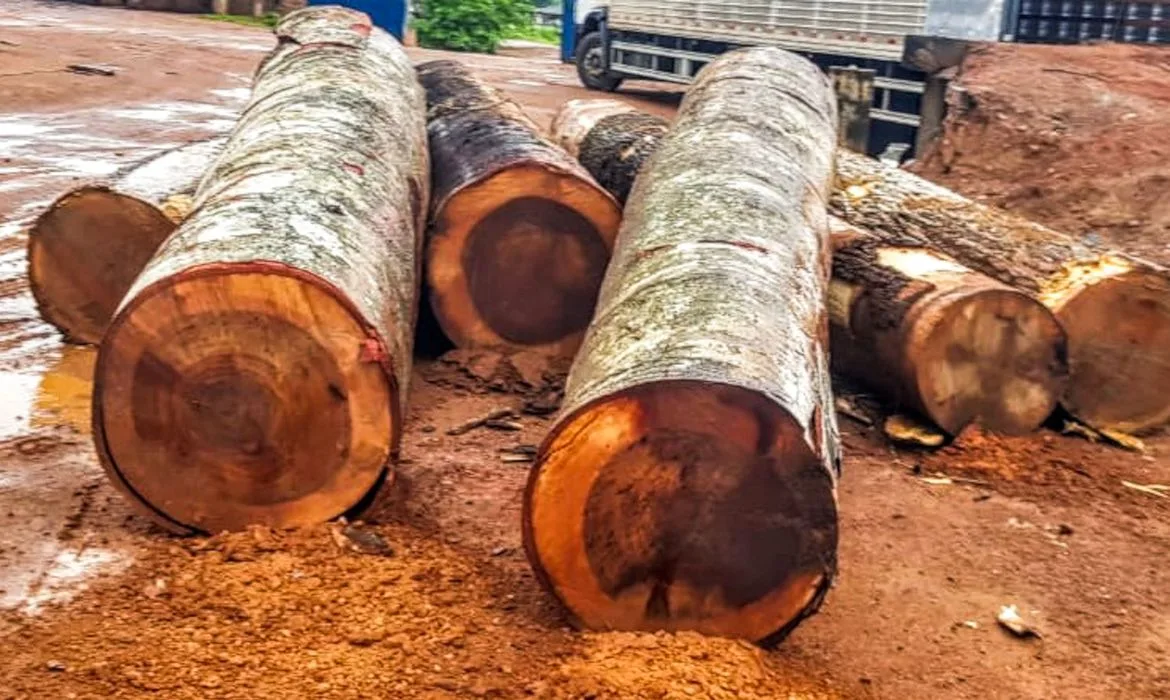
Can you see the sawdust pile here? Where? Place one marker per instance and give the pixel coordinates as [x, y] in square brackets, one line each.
[359, 612]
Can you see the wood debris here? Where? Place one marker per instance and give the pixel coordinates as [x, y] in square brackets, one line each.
[480, 421]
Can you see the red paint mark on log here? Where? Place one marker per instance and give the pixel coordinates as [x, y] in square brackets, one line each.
[355, 169]
[360, 28]
[372, 351]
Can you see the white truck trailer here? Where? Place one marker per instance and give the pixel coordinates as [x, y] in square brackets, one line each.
[908, 44]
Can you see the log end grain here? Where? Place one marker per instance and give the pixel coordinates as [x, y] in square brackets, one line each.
[240, 394]
[520, 259]
[683, 505]
[1117, 314]
[989, 356]
[85, 252]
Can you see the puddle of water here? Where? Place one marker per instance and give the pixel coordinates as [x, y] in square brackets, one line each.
[17, 126]
[238, 94]
[19, 392]
[63, 394]
[68, 572]
[170, 111]
[18, 185]
[12, 228]
[80, 165]
[10, 148]
[60, 395]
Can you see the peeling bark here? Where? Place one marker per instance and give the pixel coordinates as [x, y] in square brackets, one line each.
[87, 248]
[520, 233]
[1115, 309]
[256, 371]
[690, 482]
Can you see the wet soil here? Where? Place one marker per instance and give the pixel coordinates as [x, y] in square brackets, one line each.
[431, 597]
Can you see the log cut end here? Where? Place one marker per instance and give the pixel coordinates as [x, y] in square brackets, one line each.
[243, 394]
[991, 357]
[985, 354]
[683, 505]
[1117, 315]
[85, 252]
[521, 259]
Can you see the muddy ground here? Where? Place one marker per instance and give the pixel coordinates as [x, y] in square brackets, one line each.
[98, 603]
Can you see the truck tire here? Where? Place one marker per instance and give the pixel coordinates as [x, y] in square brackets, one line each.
[590, 64]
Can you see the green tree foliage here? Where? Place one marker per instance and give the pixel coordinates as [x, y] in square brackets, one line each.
[470, 25]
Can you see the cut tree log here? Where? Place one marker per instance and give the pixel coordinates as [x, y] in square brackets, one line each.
[87, 248]
[520, 233]
[610, 138]
[1115, 309]
[955, 345]
[256, 371]
[690, 482]
[932, 335]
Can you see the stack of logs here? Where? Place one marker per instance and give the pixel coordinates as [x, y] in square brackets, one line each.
[255, 301]
[960, 311]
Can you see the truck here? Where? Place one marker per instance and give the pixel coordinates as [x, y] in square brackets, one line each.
[906, 48]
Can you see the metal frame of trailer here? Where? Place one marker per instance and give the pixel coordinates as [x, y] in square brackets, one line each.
[909, 45]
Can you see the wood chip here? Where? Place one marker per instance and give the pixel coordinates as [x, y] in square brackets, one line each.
[1159, 490]
[909, 431]
[846, 407]
[514, 459]
[506, 425]
[468, 426]
[90, 69]
[525, 449]
[1009, 619]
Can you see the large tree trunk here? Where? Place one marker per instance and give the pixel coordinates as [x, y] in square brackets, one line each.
[1115, 309]
[610, 138]
[690, 482]
[256, 371]
[521, 234]
[932, 335]
[86, 249]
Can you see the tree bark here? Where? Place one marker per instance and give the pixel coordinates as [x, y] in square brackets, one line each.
[690, 482]
[1115, 309]
[934, 336]
[610, 138]
[257, 369]
[945, 341]
[87, 248]
[520, 234]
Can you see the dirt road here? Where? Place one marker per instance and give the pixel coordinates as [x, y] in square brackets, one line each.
[100, 604]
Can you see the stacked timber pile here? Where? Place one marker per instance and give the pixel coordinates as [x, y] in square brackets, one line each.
[520, 233]
[930, 334]
[690, 482]
[88, 247]
[256, 371]
[1114, 308]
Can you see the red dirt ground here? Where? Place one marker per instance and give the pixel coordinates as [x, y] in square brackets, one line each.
[1074, 137]
[101, 604]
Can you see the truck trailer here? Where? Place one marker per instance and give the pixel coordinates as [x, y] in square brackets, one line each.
[906, 47]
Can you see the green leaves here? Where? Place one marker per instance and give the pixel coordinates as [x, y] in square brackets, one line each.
[470, 25]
